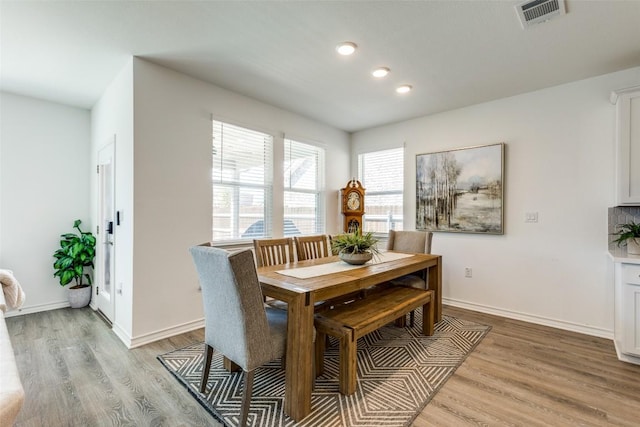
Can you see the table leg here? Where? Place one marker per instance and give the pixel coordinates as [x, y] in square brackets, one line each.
[435, 284]
[299, 373]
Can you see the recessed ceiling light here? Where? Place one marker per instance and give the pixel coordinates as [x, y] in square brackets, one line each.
[380, 72]
[404, 88]
[346, 48]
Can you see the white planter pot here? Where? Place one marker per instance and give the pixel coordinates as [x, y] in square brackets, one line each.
[633, 246]
[356, 259]
[79, 297]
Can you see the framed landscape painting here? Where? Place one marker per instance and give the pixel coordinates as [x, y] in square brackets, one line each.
[461, 190]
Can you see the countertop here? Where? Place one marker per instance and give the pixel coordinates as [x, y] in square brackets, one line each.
[621, 255]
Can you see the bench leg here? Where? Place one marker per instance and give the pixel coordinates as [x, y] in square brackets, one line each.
[428, 317]
[320, 346]
[348, 364]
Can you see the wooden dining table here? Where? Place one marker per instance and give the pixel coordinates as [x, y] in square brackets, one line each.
[302, 292]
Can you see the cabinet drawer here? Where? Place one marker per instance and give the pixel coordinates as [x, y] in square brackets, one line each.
[631, 273]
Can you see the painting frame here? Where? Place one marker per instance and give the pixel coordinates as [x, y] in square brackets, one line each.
[461, 190]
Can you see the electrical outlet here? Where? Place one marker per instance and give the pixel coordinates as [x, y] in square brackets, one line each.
[468, 272]
[531, 217]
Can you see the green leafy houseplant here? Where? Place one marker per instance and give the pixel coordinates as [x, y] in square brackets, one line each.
[76, 254]
[355, 243]
[626, 231]
[628, 234]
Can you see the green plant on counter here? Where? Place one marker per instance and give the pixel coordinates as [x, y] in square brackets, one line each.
[627, 231]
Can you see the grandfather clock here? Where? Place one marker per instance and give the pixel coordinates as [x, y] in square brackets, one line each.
[352, 206]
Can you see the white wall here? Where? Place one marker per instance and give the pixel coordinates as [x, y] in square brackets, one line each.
[171, 192]
[559, 162]
[44, 187]
[112, 118]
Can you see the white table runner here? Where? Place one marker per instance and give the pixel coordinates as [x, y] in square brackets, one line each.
[339, 266]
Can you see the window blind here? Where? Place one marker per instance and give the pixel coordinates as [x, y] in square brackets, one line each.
[303, 188]
[242, 178]
[382, 175]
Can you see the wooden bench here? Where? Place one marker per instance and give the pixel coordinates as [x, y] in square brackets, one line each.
[351, 321]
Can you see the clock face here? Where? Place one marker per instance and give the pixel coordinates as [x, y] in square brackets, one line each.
[353, 201]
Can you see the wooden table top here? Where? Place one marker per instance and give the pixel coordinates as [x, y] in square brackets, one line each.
[336, 284]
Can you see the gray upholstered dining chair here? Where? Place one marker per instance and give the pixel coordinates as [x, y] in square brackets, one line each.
[237, 324]
[417, 242]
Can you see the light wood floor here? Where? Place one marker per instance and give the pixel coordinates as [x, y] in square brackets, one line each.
[77, 373]
[528, 375]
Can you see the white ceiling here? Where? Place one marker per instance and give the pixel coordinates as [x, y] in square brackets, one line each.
[454, 53]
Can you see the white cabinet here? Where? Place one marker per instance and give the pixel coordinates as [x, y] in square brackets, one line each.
[627, 103]
[627, 312]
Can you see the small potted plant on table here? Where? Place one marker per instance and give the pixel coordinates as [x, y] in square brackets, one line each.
[355, 248]
[628, 234]
[75, 255]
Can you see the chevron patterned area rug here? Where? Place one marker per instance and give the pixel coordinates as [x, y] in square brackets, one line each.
[399, 371]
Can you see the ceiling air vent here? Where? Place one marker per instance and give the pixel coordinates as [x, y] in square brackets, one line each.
[536, 11]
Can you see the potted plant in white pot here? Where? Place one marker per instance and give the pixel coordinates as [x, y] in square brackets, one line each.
[74, 261]
[355, 248]
[628, 234]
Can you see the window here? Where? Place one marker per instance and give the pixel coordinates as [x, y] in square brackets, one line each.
[303, 188]
[382, 175]
[242, 182]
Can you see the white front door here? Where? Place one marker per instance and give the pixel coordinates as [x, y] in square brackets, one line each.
[105, 246]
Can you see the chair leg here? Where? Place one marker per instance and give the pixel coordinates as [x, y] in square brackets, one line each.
[208, 353]
[412, 316]
[230, 365]
[320, 345]
[246, 397]
[283, 361]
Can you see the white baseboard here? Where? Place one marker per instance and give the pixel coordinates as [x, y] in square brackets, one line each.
[539, 320]
[37, 308]
[160, 334]
[122, 334]
[141, 340]
[626, 357]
